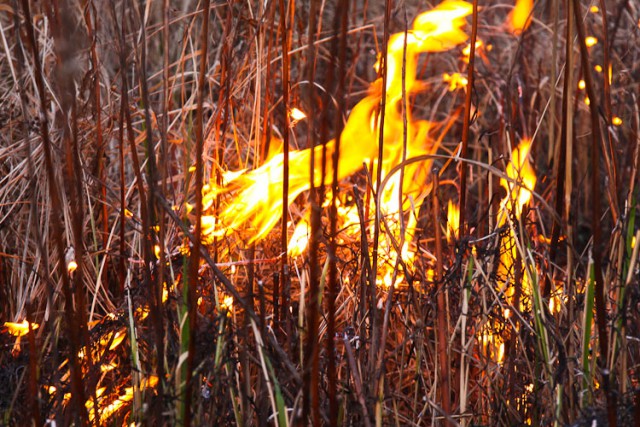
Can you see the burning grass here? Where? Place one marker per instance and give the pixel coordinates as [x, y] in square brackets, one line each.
[272, 213]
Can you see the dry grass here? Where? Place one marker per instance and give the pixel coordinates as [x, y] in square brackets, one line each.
[110, 114]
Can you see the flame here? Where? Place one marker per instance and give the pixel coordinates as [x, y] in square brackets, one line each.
[522, 179]
[453, 219]
[296, 115]
[227, 303]
[19, 329]
[455, 80]
[520, 17]
[520, 171]
[590, 41]
[72, 266]
[106, 410]
[257, 194]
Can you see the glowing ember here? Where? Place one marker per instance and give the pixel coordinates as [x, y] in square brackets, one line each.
[520, 17]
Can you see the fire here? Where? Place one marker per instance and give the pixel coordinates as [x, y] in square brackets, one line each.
[453, 219]
[257, 194]
[227, 303]
[520, 16]
[19, 329]
[296, 115]
[455, 80]
[523, 179]
[591, 41]
[106, 409]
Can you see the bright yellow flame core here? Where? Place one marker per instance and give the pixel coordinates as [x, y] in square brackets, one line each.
[257, 194]
[296, 114]
[19, 329]
[591, 41]
[522, 179]
[520, 16]
[453, 220]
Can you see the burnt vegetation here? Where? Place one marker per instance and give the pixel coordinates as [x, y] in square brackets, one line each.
[329, 213]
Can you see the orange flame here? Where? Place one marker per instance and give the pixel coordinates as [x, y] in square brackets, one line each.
[106, 410]
[520, 16]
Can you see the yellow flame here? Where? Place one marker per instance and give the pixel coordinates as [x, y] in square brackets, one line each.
[227, 303]
[520, 17]
[453, 220]
[519, 170]
[118, 337]
[455, 80]
[72, 266]
[522, 180]
[296, 115]
[19, 329]
[300, 237]
[257, 194]
[590, 41]
[617, 121]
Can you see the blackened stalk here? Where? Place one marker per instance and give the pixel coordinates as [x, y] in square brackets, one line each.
[78, 395]
[442, 329]
[373, 353]
[596, 138]
[144, 215]
[155, 286]
[67, 74]
[467, 119]
[100, 171]
[285, 43]
[122, 257]
[609, 150]
[311, 374]
[33, 369]
[339, 44]
[562, 161]
[194, 261]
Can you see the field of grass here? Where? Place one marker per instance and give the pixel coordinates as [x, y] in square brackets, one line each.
[345, 213]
